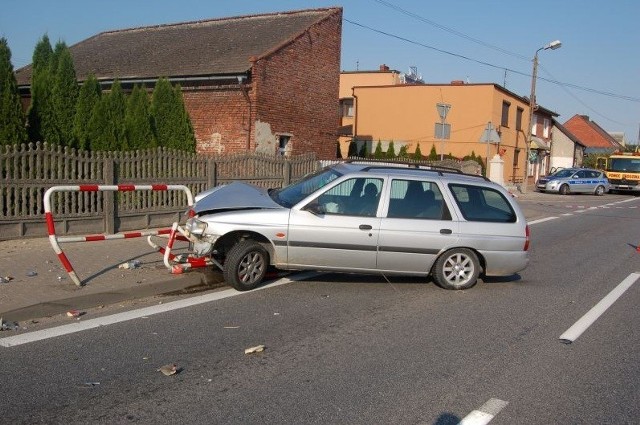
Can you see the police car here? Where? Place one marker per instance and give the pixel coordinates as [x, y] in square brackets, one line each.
[574, 180]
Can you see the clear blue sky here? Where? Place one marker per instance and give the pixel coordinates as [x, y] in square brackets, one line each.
[597, 69]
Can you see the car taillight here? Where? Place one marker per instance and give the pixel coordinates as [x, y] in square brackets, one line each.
[527, 239]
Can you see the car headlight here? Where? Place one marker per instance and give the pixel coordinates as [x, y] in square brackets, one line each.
[195, 226]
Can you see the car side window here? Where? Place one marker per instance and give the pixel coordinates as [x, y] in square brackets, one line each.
[357, 196]
[478, 203]
[417, 199]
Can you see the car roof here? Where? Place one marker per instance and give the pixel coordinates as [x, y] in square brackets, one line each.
[407, 169]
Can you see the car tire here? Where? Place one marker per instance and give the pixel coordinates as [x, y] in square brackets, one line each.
[457, 269]
[599, 191]
[564, 189]
[246, 265]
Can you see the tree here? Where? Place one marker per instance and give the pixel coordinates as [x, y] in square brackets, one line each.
[64, 97]
[391, 150]
[417, 155]
[433, 154]
[171, 125]
[137, 121]
[117, 105]
[353, 149]
[378, 152]
[39, 111]
[106, 125]
[12, 129]
[403, 152]
[88, 97]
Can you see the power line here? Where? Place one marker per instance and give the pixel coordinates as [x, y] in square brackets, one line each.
[446, 52]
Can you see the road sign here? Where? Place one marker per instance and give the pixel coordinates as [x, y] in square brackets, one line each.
[490, 135]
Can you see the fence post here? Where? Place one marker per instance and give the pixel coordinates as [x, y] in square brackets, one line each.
[211, 173]
[287, 173]
[109, 203]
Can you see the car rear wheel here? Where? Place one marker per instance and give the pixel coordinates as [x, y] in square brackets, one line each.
[246, 265]
[457, 268]
[599, 191]
[564, 189]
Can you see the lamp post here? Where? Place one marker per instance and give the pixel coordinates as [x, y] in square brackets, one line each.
[532, 105]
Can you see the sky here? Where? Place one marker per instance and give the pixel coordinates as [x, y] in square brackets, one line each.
[596, 72]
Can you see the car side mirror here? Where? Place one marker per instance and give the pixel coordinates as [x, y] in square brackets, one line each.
[315, 208]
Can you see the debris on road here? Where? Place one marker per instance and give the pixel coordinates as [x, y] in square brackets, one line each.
[8, 326]
[74, 313]
[32, 273]
[256, 349]
[134, 264]
[169, 369]
[89, 384]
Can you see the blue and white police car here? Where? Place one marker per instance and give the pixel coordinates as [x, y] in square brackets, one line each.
[574, 180]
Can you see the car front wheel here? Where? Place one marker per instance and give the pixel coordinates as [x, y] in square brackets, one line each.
[458, 268]
[246, 265]
[564, 189]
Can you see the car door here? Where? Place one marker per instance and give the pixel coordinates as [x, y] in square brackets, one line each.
[337, 230]
[416, 226]
[580, 182]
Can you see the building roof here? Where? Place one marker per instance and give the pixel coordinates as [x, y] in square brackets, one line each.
[592, 136]
[222, 46]
[567, 133]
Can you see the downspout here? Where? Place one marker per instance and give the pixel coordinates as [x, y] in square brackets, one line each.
[355, 113]
[245, 92]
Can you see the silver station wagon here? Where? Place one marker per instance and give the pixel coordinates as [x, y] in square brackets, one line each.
[574, 180]
[363, 218]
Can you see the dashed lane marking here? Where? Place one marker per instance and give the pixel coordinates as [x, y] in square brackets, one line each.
[485, 413]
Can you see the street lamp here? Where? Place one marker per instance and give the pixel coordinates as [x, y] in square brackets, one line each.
[532, 105]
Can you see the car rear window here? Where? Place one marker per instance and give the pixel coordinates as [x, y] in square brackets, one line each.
[479, 203]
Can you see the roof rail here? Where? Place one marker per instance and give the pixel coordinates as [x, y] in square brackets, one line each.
[390, 165]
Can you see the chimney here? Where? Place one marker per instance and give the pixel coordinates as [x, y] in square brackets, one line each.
[384, 67]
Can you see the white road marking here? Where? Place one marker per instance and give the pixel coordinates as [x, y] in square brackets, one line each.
[484, 414]
[592, 315]
[541, 220]
[84, 325]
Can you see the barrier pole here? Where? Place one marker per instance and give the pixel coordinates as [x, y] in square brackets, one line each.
[55, 240]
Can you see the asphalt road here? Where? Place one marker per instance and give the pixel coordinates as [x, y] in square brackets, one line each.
[353, 349]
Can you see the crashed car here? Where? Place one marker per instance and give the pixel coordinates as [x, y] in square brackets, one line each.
[363, 218]
[574, 180]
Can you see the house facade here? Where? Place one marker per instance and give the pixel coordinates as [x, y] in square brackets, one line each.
[408, 115]
[566, 149]
[265, 83]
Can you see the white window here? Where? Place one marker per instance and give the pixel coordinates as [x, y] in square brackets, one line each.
[346, 107]
[545, 129]
[534, 124]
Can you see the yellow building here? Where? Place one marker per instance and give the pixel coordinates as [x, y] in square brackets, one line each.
[407, 115]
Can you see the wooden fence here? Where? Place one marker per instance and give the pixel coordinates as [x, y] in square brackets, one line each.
[27, 171]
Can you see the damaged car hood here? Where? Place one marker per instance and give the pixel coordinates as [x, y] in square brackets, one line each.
[236, 195]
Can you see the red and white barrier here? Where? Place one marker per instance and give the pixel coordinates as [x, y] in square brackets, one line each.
[54, 240]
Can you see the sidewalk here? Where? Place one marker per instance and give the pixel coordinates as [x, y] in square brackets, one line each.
[38, 285]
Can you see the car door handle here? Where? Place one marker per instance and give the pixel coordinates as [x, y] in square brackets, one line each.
[366, 227]
[446, 231]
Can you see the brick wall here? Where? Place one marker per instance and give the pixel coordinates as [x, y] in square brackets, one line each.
[293, 90]
[220, 117]
[296, 89]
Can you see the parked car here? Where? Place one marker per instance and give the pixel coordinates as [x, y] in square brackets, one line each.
[364, 218]
[574, 180]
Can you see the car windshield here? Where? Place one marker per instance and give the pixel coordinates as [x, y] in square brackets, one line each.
[290, 195]
[563, 173]
[625, 164]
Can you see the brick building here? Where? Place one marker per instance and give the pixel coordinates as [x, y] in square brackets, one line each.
[266, 83]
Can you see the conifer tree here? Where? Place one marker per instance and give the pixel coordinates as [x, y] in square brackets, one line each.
[433, 154]
[391, 150]
[12, 129]
[403, 151]
[64, 97]
[40, 89]
[353, 149]
[377, 154]
[117, 107]
[171, 124]
[137, 122]
[99, 132]
[88, 97]
[417, 155]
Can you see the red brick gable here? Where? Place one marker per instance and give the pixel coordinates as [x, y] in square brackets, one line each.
[589, 133]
